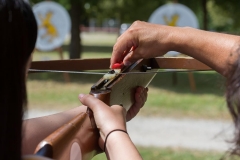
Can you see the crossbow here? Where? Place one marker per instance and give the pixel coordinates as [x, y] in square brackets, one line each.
[81, 131]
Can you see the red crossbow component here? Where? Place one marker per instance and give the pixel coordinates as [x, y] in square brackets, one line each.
[117, 65]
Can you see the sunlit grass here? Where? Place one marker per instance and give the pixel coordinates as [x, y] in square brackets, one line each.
[50, 89]
[162, 102]
[96, 38]
[150, 153]
[88, 39]
[99, 38]
[54, 55]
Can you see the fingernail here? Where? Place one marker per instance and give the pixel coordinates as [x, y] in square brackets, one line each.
[80, 96]
[126, 63]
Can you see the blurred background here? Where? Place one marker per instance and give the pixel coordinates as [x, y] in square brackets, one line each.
[185, 116]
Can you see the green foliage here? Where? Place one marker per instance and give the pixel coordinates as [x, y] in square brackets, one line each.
[65, 3]
[225, 15]
[218, 23]
[129, 11]
[222, 15]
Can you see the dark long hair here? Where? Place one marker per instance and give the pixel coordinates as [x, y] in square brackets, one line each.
[233, 100]
[18, 31]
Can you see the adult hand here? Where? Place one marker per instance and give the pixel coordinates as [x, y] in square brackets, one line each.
[140, 99]
[143, 40]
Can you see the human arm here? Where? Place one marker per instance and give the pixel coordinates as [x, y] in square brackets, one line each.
[118, 145]
[216, 50]
[36, 129]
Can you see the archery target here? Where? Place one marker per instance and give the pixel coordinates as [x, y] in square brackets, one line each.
[54, 25]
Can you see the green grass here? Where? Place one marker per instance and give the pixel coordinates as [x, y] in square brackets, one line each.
[151, 153]
[166, 99]
[100, 38]
[96, 39]
[53, 55]
[88, 39]
[50, 90]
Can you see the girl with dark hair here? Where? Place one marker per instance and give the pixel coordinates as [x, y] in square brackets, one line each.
[17, 40]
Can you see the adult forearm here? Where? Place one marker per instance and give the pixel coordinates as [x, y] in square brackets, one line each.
[217, 50]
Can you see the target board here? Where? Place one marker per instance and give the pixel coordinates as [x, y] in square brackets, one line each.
[54, 25]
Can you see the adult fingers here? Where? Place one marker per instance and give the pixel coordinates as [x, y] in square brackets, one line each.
[132, 112]
[145, 95]
[131, 57]
[140, 98]
[122, 47]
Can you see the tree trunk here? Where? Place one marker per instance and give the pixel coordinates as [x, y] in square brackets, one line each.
[205, 20]
[75, 44]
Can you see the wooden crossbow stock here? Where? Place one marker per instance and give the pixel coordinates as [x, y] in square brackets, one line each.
[81, 131]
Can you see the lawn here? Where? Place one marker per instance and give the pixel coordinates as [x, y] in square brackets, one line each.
[99, 38]
[164, 99]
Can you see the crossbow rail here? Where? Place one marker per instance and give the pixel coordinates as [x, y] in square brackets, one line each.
[104, 63]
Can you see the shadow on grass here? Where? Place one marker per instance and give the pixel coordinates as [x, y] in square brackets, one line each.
[206, 82]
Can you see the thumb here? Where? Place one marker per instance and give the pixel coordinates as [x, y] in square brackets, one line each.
[93, 103]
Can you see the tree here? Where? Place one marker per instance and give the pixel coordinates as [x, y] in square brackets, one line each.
[126, 11]
[219, 15]
[225, 15]
[78, 15]
[76, 11]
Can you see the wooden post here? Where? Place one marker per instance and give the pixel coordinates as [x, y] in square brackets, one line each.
[65, 75]
[174, 79]
[192, 81]
[205, 19]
